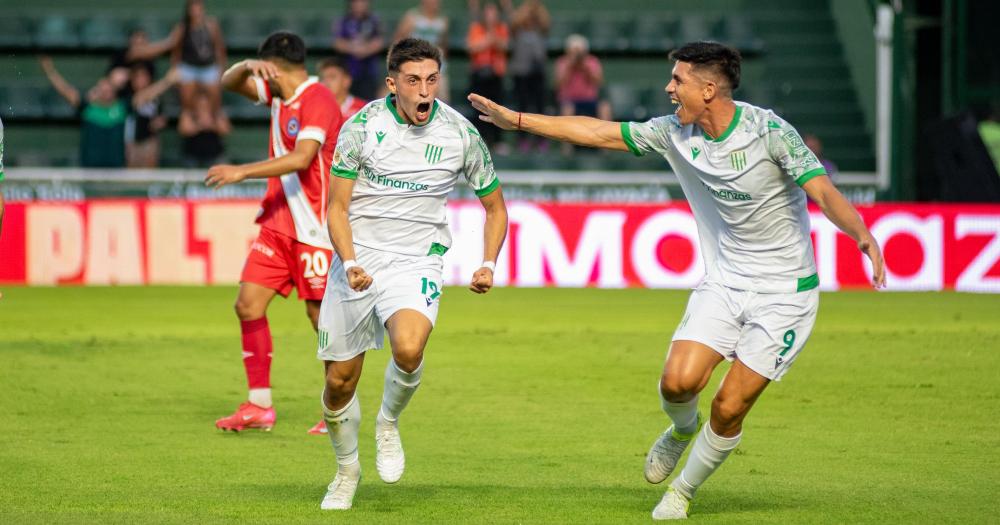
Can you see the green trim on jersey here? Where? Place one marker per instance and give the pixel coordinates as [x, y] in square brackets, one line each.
[342, 173]
[489, 189]
[434, 110]
[392, 108]
[729, 130]
[627, 138]
[809, 175]
[807, 283]
[437, 249]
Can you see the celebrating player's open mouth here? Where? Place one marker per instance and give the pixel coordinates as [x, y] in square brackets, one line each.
[423, 111]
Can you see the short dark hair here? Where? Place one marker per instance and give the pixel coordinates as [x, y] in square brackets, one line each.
[334, 61]
[720, 59]
[283, 45]
[411, 50]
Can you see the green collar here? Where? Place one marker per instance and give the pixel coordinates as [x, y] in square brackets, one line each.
[391, 104]
[729, 130]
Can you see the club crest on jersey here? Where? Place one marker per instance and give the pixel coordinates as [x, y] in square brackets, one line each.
[292, 128]
[433, 153]
[738, 159]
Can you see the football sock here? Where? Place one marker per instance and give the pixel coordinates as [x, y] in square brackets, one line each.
[257, 354]
[260, 397]
[707, 453]
[684, 415]
[399, 388]
[342, 426]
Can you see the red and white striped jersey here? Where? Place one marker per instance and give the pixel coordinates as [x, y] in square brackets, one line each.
[295, 203]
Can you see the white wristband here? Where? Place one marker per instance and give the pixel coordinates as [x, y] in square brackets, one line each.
[491, 265]
[350, 263]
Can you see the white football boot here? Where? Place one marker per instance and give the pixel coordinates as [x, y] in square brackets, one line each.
[340, 492]
[389, 458]
[666, 452]
[673, 506]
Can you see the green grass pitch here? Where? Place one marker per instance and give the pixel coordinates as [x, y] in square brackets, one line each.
[537, 406]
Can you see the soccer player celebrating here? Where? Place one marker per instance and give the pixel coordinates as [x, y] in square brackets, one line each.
[333, 73]
[395, 163]
[292, 249]
[741, 168]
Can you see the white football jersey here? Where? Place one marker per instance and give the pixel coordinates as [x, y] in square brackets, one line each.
[753, 224]
[404, 174]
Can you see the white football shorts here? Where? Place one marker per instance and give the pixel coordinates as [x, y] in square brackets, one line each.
[765, 331]
[351, 322]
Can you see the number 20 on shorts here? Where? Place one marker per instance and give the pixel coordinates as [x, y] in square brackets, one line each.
[316, 263]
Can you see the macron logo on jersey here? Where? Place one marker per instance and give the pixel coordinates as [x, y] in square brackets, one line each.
[695, 152]
[379, 135]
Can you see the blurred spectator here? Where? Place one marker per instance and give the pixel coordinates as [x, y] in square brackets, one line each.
[102, 116]
[427, 23]
[579, 78]
[359, 36]
[122, 61]
[487, 44]
[529, 25]
[145, 120]
[202, 129]
[334, 75]
[199, 52]
[989, 131]
[816, 146]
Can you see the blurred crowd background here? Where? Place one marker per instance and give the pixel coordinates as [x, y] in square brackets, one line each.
[129, 84]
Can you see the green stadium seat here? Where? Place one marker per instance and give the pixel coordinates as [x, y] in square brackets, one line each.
[16, 31]
[563, 25]
[695, 27]
[102, 32]
[610, 32]
[654, 33]
[57, 31]
[458, 29]
[316, 30]
[242, 31]
[624, 101]
[54, 106]
[735, 30]
[23, 101]
[156, 28]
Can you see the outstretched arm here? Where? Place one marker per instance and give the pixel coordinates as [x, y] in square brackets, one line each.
[494, 232]
[65, 90]
[339, 225]
[582, 131]
[299, 159]
[844, 216]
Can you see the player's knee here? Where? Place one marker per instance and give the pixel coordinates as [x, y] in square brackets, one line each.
[677, 389]
[248, 310]
[339, 387]
[408, 355]
[728, 411]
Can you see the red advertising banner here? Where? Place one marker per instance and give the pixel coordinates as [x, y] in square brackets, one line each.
[136, 241]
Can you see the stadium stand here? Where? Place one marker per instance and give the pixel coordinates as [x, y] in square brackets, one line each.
[795, 63]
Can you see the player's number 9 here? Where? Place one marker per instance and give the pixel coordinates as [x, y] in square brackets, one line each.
[316, 264]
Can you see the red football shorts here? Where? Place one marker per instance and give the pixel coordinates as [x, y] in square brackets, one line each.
[279, 263]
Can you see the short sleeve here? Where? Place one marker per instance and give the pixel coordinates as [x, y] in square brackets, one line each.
[263, 91]
[347, 155]
[645, 137]
[790, 153]
[320, 115]
[479, 171]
